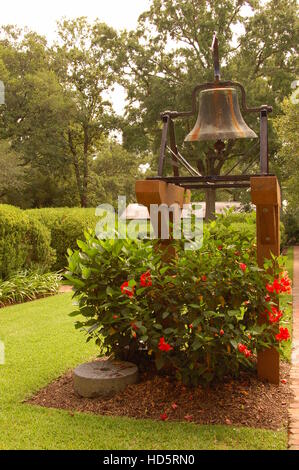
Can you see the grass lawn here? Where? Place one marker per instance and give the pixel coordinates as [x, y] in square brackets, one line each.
[285, 304]
[40, 344]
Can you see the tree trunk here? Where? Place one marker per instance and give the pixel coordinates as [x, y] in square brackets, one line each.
[76, 167]
[210, 204]
[84, 200]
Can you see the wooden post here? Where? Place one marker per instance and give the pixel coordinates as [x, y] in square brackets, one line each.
[265, 194]
[159, 192]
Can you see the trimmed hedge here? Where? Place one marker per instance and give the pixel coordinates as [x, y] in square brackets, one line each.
[242, 225]
[66, 226]
[24, 242]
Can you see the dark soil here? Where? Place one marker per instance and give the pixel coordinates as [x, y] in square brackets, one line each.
[246, 401]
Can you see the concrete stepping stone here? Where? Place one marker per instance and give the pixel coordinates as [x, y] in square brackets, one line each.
[103, 378]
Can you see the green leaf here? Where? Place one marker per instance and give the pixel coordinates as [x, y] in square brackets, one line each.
[168, 331]
[163, 270]
[140, 291]
[197, 343]
[74, 313]
[159, 361]
[85, 272]
[109, 291]
[76, 282]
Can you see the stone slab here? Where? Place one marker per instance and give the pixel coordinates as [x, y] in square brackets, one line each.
[103, 378]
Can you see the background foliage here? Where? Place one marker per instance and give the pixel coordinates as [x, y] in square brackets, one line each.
[25, 286]
[24, 242]
[58, 125]
[65, 226]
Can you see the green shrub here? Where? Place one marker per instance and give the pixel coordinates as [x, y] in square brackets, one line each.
[241, 225]
[197, 316]
[24, 242]
[26, 286]
[66, 225]
[238, 226]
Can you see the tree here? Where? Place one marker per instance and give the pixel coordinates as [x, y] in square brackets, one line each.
[56, 111]
[287, 157]
[82, 61]
[35, 110]
[12, 171]
[113, 173]
[170, 53]
[286, 164]
[33, 119]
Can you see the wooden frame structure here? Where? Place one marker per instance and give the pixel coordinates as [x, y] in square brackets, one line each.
[265, 194]
[265, 191]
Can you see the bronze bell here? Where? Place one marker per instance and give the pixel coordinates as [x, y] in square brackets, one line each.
[219, 117]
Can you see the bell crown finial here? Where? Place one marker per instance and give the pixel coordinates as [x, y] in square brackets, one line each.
[215, 51]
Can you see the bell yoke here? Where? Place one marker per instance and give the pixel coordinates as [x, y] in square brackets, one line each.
[219, 118]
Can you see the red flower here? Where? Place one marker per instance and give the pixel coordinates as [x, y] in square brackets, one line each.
[145, 279]
[243, 350]
[164, 417]
[267, 298]
[221, 332]
[163, 346]
[204, 278]
[270, 288]
[134, 326]
[276, 286]
[243, 266]
[286, 283]
[220, 247]
[282, 285]
[174, 406]
[283, 381]
[283, 334]
[115, 317]
[125, 289]
[190, 326]
[247, 353]
[134, 334]
[274, 315]
[188, 418]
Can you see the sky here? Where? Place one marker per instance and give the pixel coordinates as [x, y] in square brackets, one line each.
[41, 17]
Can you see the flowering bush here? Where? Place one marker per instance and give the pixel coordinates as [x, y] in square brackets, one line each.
[204, 315]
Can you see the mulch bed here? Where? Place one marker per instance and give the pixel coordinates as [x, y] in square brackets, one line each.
[243, 402]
